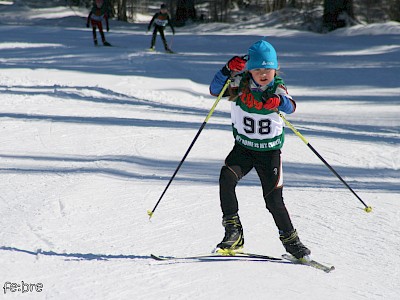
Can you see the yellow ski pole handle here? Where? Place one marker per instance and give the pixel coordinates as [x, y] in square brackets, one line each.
[288, 124]
[221, 94]
[367, 208]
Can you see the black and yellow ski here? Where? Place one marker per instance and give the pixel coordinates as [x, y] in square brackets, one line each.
[229, 255]
[219, 256]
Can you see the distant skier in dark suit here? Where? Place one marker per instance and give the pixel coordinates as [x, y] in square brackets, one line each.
[96, 16]
[160, 19]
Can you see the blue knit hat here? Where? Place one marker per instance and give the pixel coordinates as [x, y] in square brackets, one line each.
[262, 55]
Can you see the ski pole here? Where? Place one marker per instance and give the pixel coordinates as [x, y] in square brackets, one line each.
[151, 212]
[367, 208]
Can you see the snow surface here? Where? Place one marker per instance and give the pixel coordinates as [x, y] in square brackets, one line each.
[89, 138]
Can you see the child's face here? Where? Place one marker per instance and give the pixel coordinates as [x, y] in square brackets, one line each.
[163, 10]
[99, 3]
[263, 76]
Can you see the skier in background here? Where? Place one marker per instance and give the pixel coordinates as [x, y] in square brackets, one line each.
[256, 95]
[161, 19]
[96, 16]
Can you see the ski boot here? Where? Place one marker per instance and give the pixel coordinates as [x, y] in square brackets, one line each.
[293, 245]
[152, 48]
[105, 43]
[233, 239]
[169, 51]
[95, 42]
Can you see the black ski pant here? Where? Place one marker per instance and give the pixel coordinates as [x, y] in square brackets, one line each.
[159, 29]
[267, 164]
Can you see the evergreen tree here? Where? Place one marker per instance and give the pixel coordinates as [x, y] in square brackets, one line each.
[338, 13]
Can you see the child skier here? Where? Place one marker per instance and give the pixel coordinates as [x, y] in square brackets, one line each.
[161, 19]
[256, 95]
[96, 16]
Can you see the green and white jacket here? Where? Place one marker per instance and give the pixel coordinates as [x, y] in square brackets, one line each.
[255, 127]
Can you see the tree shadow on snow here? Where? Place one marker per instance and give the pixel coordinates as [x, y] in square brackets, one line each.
[302, 57]
[112, 121]
[95, 94]
[304, 175]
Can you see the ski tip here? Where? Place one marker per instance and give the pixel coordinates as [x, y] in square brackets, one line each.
[326, 269]
[156, 257]
[308, 261]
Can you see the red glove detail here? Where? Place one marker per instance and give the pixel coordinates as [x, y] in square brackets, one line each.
[236, 64]
[272, 102]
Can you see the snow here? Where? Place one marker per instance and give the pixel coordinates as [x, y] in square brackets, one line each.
[89, 138]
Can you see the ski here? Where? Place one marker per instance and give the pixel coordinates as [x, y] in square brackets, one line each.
[160, 52]
[247, 256]
[106, 46]
[210, 256]
[308, 262]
